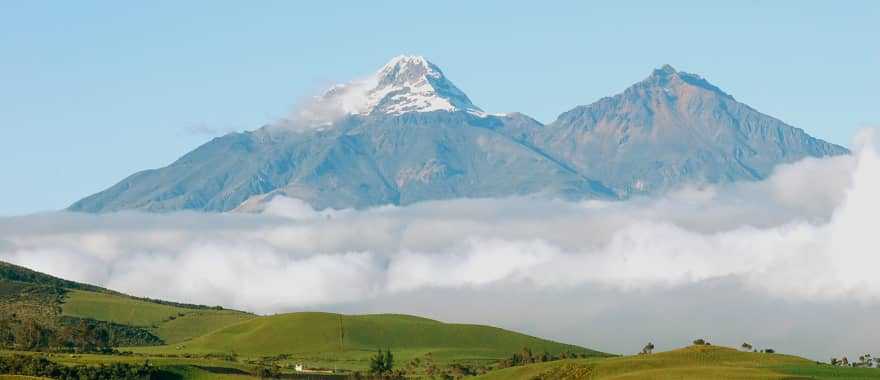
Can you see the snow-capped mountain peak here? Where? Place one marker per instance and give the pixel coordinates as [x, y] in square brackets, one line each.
[407, 83]
[407, 70]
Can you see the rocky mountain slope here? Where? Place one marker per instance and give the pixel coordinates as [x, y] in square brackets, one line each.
[672, 128]
[408, 134]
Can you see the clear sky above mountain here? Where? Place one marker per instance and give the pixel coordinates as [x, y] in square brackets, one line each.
[93, 91]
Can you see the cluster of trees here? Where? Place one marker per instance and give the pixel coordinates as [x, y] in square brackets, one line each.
[25, 335]
[431, 370]
[394, 375]
[43, 367]
[526, 356]
[268, 372]
[30, 335]
[84, 337]
[865, 361]
[382, 366]
[178, 304]
[382, 362]
[458, 371]
[748, 347]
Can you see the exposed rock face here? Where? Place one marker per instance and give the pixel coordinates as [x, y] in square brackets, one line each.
[407, 134]
[362, 161]
[671, 128]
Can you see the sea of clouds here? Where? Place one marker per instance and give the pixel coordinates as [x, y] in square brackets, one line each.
[791, 262]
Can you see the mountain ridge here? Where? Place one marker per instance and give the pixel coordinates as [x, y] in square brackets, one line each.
[408, 134]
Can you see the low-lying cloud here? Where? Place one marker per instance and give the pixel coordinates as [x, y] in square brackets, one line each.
[803, 240]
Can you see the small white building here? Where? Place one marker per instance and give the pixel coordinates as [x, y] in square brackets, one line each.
[298, 368]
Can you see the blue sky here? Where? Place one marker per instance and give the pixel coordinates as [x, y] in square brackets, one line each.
[91, 92]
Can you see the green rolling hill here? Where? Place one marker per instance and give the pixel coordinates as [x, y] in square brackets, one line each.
[694, 362]
[162, 329]
[172, 324]
[353, 338]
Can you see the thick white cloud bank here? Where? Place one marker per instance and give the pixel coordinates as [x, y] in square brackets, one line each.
[791, 262]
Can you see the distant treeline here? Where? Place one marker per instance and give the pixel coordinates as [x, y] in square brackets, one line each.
[177, 304]
[43, 367]
[526, 356]
[72, 335]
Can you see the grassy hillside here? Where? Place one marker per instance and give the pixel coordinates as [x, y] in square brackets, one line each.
[197, 323]
[53, 303]
[695, 362]
[172, 324]
[14, 273]
[115, 308]
[349, 340]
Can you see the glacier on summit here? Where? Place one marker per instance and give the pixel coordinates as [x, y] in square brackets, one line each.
[405, 84]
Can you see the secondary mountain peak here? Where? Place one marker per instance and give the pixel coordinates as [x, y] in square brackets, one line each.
[667, 79]
[671, 128]
[664, 71]
[407, 83]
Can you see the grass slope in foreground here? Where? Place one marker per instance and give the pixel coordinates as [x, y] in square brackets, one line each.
[349, 340]
[694, 362]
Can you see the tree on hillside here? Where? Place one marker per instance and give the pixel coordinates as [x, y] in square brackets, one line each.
[431, 368]
[88, 337]
[27, 335]
[382, 363]
[701, 342]
[268, 372]
[7, 338]
[546, 356]
[648, 349]
[526, 355]
[458, 371]
[377, 363]
[865, 361]
[389, 361]
[746, 346]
